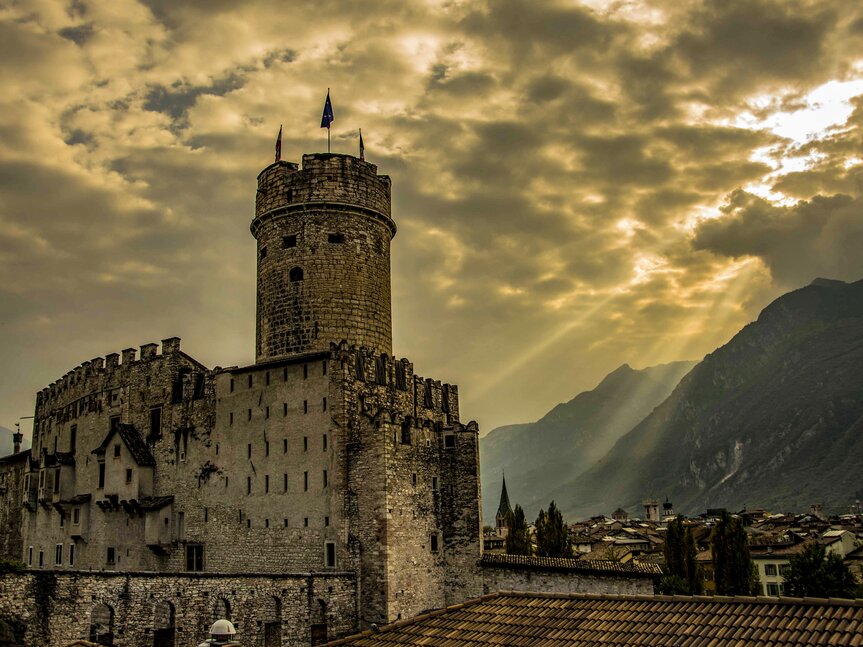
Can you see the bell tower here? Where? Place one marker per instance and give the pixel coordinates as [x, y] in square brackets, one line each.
[323, 233]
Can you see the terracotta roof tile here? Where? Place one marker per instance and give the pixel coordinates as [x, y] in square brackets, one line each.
[498, 560]
[579, 620]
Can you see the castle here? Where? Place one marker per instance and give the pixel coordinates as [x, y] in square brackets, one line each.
[322, 489]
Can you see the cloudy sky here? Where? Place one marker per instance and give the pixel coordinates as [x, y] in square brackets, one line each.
[576, 184]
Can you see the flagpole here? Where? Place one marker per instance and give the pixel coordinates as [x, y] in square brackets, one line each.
[328, 126]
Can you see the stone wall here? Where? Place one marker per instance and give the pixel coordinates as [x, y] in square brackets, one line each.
[551, 581]
[58, 607]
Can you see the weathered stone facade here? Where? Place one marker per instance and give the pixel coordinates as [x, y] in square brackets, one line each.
[12, 469]
[327, 455]
[142, 609]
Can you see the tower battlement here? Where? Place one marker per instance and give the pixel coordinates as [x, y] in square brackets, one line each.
[325, 178]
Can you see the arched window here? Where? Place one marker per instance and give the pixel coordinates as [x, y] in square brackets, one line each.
[221, 610]
[296, 274]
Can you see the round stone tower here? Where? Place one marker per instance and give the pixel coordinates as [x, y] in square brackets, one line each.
[323, 235]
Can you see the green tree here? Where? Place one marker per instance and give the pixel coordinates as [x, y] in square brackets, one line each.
[682, 573]
[733, 569]
[815, 574]
[518, 537]
[552, 534]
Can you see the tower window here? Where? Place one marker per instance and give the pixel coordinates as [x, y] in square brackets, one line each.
[433, 540]
[330, 554]
[289, 241]
[263, 252]
[336, 239]
[296, 274]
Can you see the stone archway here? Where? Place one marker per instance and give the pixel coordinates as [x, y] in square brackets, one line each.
[164, 625]
[102, 624]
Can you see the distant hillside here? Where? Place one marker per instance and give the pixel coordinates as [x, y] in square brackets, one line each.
[539, 457]
[774, 418]
[6, 444]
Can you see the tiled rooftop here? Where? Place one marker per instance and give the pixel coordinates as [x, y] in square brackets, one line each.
[605, 566]
[576, 620]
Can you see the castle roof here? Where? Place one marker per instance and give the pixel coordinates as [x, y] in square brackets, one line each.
[504, 508]
[575, 620]
[134, 443]
[603, 566]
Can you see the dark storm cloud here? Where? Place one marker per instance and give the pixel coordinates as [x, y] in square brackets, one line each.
[822, 236]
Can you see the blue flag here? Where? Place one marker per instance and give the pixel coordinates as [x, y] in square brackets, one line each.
[327, 118]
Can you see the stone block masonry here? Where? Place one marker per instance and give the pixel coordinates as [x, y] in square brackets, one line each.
[134, 608]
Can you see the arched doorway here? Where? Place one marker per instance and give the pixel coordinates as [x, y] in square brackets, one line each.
[164, 625]
[102, 625]
[319, 622]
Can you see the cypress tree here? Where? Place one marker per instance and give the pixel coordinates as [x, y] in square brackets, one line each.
[518, 538]
[733, 568]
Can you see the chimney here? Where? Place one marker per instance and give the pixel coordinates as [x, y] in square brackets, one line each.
[17, 437]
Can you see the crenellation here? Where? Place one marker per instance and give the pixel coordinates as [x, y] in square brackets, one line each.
[128, 356]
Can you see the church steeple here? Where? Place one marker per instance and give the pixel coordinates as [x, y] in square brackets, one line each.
[504, 509]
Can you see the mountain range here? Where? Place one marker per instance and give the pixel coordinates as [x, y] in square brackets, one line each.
[773, 419]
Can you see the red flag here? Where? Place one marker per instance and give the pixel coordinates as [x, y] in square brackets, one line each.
[279, 145]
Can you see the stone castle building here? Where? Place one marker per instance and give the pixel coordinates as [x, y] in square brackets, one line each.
[319, 490]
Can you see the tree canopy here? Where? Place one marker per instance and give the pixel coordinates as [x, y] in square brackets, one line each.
[552, 534]
[518, 537]
[815, 574]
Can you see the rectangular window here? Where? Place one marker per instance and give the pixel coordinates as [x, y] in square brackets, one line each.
[325, 404]
[117, 451]
[109, 558]
[326, 479]
[73, 438]
[101, 475]
[268, 378]
[305, 371]
[114, 421]
[263, 252]
[284, 408]
[62, 520]
[289, 241]
[306, 522]
[231, 418]
[266, 448]
[286, 523]
[128, 475]
[285, 374]
[330, 554]
[217, 449]
[58, 554]
[41, 558]
[325, 442]
[449, 440]
[250, 380]
[194, 557]
[156, 422]
[266, 483]
[57, 480]
[30, 556]
[414, 479]
[305, 443]
[267, 412]
[783, 569]
[76, 516]
[206, 515]
[325, 367]
[773, 590]
[326, 521]
[250, 415]
[248, 523]
[285, 478]
[266, 523]
[770, 569]
[71, 554]
[232, 385]
[305, 406]
[336, 239]
[284, 445]
[248, 485]
[305, 481]
[434, 483]
[249, 450]
[433, 542]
